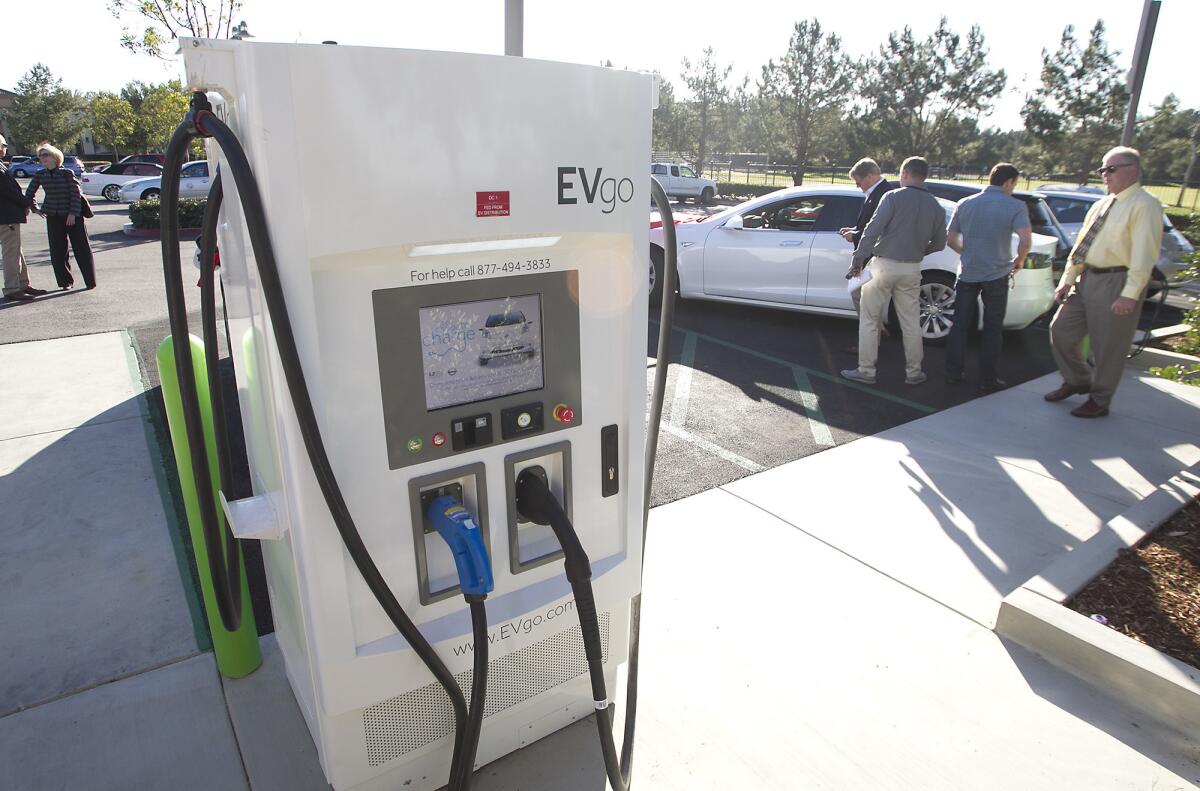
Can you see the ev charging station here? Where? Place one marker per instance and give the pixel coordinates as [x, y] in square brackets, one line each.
[461, 243]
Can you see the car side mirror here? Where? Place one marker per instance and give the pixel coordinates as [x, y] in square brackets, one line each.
[735, 223]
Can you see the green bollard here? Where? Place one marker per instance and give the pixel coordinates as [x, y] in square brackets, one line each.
[237, 652]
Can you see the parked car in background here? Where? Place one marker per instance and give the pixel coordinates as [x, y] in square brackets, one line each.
[193, 183]
[157, 159]
[1071, 207]
[680, 181]
[1042, 218]
[107, 180]
[1089, 188]
[783, 250]
[24, 170]
[20, 159]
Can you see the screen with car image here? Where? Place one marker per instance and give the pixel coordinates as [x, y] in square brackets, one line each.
[474, 351]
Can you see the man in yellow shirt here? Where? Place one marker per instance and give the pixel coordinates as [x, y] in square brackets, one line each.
[1102, 289]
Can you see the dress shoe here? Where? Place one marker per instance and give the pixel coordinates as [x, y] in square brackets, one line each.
[993, 386]
[1090, 409]
[17, 296]
[854, 375]
[1066, 391]
[35, 292]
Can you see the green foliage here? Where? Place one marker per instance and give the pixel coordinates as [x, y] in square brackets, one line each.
[744, 191]
[157, 24]
[1076, 114]
[806, 90]
[44, 111]
[112, 120]
[144, 213]
[918, 93]
[1179, 373]
[1187, 222]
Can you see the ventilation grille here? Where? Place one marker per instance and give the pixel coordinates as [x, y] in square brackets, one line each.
[407, 722]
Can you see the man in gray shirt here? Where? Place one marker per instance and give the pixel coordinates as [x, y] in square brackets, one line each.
[981, 232]
[908, 225]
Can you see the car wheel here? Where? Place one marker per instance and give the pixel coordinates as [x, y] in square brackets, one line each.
[112, 192]
[657, 264]
[707, 197]
[937, 304]
[150, 195]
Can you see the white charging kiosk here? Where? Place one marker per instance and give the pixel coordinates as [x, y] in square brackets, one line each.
[462, 245]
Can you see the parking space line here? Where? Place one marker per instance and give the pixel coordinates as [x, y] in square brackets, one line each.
[713, 448]
[683, 381]
[812, 408]
[868, 389]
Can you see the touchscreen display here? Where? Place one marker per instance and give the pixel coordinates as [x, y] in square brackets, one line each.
[473, 351]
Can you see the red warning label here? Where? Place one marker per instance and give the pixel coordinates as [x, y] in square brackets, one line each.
[491, 204]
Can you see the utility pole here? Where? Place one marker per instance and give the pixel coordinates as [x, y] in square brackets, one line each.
[514, 27]
[1141, 55]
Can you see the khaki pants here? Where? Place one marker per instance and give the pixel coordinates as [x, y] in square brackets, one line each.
[16, 276]
[901, 282]
[1088, 313]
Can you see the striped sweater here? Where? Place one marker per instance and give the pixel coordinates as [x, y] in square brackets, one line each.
[61, 188]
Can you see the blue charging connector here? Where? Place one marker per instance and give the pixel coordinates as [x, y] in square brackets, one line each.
[459, 530]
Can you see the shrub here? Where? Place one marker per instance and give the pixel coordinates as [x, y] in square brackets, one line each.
[144, 213]
[745, 191]
[1191, 339]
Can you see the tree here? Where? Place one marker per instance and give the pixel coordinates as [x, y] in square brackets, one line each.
[669, 120]
[1077, 112]
[917, 92]
[169, 19]
[160, 111]
[112, 120]
[43, 110]
[710, 95]
[1163, 139]
[809, 85]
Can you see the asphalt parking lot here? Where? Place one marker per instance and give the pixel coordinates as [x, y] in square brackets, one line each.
[749, 388]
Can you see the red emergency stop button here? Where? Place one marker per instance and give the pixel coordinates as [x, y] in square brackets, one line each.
[438, 439]
[564, 414]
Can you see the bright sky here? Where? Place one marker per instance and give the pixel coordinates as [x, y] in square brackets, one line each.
[642, 35]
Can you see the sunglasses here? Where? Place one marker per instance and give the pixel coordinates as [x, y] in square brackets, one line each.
[45, 154]
[1108, 170]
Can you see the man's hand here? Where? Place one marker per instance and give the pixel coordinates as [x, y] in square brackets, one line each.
[1060, 295]
[1123, 306]
[847, 234]
[1018, 264]
[70, 220]
[853, 271]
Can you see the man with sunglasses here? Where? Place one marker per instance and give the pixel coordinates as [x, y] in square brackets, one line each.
[1102, 289]
[14, 207]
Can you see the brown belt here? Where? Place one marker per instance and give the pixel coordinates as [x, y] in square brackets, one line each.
[1107, 269]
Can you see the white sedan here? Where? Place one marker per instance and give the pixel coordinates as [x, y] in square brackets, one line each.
[193, 183]
[783, 250]
[108, 179]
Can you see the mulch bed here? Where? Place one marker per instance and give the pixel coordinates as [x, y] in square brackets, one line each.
[1152, 592]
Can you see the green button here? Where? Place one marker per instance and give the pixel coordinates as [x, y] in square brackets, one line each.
[414, 445]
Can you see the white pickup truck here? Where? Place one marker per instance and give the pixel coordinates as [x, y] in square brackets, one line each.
[680, 181]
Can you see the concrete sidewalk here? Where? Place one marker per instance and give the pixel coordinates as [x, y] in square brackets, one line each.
[822, 625]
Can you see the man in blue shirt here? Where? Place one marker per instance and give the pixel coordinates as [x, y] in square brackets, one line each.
[981, 233]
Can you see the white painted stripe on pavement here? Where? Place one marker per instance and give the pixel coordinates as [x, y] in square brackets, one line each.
[713, 448]
[683, 380]
[812, 408]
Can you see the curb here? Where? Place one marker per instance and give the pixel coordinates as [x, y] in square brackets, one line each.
[1161, 358]
[1033, 615]
[153, 233]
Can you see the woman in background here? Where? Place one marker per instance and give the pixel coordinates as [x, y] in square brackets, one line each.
[62, 206]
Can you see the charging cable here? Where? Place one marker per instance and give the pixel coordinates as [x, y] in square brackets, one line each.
[459, 529]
